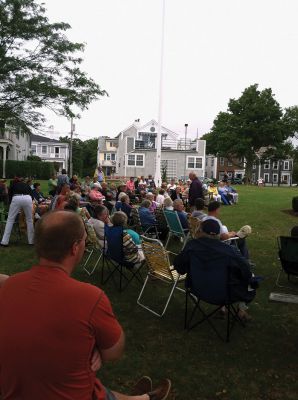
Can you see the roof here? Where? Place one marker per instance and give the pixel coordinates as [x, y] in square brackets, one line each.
[39, 138]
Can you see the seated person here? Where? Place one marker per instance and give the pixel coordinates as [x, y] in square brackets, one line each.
[168, 204]
[60, 200]
[123, 205]
[199, 207]
[120, 191]
[73, 204]
[146, 216]
[104, 188]
[209, 250]
[37, 194]
[179, 208]
[95, 194]
[160, 198]
[154, 205]
[213, 213]
[223, 194]
[150, 182]
[232, 193]
[176, 194]
[74, 182]
[213, 192]
[130, 184]
[131, 240]
[101, 217]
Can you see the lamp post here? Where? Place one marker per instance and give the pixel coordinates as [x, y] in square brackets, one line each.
[185, 125]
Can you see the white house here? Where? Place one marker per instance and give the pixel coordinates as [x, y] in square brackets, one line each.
[133, 152]
[14, 145]
[50, 150]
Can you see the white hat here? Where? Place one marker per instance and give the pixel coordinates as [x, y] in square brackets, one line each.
[244, 231]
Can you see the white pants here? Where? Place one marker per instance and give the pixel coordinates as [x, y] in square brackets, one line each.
[17, 204]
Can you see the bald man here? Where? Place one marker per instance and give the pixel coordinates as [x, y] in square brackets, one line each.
[55, 331]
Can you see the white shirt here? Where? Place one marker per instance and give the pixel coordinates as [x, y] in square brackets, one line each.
[223, 228]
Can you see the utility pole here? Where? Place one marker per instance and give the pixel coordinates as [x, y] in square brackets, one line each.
[185, 153]
[72, 129]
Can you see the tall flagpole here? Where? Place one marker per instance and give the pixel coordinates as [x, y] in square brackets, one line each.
[157, 176]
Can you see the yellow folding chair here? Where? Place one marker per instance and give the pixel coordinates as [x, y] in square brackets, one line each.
[159, 268]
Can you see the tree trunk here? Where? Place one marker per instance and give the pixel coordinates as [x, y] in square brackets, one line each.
[248, 170]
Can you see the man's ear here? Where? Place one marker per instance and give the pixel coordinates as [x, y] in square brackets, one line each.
[74, 248]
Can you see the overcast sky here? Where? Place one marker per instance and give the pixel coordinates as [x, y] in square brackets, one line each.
[213, 50]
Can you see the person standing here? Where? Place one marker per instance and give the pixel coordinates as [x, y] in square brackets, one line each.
[195, 189]
[62, 179]
[21, 199]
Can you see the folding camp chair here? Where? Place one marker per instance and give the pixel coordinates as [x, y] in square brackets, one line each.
[175, 227]
[159, 268]
[288, 255]
[114, 259]
[209, 284]
[92, 248]
[194, 227]
[137, 225]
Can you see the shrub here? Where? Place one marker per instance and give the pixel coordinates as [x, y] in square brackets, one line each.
[295, 203]
[37, 169]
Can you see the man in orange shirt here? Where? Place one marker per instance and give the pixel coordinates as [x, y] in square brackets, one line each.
[56, 331]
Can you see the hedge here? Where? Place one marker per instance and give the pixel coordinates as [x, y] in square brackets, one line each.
[34, 169]
[295, 203]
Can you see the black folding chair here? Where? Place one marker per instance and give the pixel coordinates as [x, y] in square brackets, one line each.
[114, 259]
[210, 285]
[288, 256]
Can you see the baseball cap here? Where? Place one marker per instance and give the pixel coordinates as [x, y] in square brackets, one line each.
[211, 227]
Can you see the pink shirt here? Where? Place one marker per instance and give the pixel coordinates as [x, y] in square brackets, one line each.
[130, 185]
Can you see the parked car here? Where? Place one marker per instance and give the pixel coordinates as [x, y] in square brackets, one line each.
[236, 181]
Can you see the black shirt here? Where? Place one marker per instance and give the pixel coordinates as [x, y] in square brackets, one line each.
[19, 188]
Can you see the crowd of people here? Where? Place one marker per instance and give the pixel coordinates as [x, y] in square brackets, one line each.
[63, 329]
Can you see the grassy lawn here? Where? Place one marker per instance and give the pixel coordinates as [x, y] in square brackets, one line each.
[261, 360]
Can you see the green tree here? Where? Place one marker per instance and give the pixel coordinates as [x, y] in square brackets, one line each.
[39, 66]
[253, 121]
[89, 156]
[77, 154]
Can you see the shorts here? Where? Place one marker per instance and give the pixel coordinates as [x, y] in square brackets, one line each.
[109, 395]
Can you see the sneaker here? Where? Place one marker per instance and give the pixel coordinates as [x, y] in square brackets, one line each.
[244, 316]
[144, 385]
[162, 391]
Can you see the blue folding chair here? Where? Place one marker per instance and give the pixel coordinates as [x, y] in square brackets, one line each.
[114, 259]
[175, 227]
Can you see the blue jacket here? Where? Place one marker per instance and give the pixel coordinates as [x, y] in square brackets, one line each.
[146, 217]
[208, 262]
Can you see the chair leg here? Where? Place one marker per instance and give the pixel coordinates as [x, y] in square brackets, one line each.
[168, 239]
[150, 309]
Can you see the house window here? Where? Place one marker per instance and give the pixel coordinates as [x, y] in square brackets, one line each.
[254, 166]
[286, 165]
[107, 156]
[266, 178]
[135, 160]
[253, 177]
[212, 162]
[206, 163]
[44, 149]
[113, 144]
[267, 164]
[275, 165]
[212, 175]
[33, 149]
[194, 162]
[57, 152]
[285, 178]
[113, 156]
[275, 178]
[221, 161]
[230, 163]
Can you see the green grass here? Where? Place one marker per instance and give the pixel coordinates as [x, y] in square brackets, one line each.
[260, 362]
